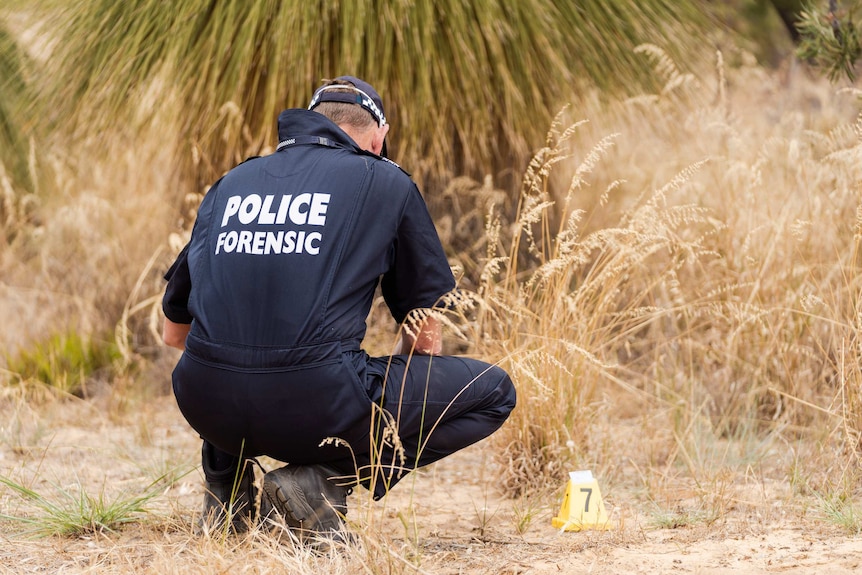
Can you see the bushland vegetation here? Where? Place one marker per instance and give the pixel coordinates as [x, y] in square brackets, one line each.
[671, 274]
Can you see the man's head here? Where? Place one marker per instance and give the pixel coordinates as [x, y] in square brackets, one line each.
[356, 107]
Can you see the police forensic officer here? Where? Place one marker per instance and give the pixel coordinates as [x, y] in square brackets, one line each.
[269, 300]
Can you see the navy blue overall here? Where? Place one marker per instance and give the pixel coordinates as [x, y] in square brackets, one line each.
[277, 281]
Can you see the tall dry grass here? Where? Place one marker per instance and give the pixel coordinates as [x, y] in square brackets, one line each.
[78, 247]
[684, 265]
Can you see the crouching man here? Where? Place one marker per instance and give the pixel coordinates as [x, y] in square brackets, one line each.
[269, 300]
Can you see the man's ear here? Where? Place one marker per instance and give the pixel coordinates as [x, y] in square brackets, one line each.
[379, 137]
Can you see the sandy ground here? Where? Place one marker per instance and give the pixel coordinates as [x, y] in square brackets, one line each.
[448, 519]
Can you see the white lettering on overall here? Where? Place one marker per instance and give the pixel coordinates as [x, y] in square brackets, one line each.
[286, 211]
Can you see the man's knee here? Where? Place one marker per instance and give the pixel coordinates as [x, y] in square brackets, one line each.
[502, 392]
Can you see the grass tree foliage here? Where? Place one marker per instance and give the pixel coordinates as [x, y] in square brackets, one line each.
[13, 94]
[470, 87]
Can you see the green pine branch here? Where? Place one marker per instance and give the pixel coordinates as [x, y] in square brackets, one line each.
[830, 40]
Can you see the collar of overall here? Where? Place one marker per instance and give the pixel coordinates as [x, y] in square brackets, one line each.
[300, 140]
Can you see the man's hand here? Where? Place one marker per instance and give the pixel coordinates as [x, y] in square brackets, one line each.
[423, 338]
[174, 334]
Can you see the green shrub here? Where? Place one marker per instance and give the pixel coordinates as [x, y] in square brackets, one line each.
[64, 361]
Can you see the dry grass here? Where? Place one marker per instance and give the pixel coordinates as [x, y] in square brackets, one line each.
[676, 300]
[697, 275]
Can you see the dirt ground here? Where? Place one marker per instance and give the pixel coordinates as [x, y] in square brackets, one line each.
[448, 519]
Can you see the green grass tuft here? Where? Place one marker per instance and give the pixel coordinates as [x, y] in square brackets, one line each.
[840, 510]
[64, 361]
[77, 513]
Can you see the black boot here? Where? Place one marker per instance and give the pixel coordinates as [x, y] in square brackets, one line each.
[309, 498]
[230, 491]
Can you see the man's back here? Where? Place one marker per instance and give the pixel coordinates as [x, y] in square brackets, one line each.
[288, 248]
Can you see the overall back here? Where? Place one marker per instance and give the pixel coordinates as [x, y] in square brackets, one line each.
[285, 256]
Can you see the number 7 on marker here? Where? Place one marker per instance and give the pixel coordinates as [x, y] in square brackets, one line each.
[589, 492]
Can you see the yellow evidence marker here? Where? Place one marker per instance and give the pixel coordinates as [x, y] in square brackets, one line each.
[582, 505]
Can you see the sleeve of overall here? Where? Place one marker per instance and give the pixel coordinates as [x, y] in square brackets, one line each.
[420, 273]
[175, 303]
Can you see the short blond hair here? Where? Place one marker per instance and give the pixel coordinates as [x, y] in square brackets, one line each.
[343, 113]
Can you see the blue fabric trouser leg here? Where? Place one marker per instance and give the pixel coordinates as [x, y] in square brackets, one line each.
[438, 405]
